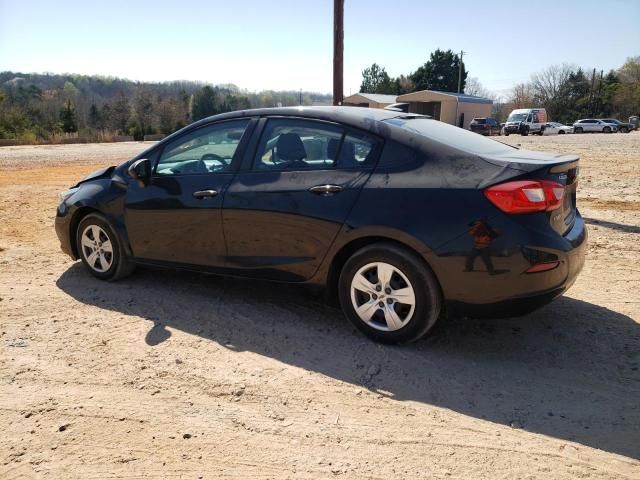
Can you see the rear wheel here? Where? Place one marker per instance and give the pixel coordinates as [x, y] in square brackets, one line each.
[100, 249]
[389, 294]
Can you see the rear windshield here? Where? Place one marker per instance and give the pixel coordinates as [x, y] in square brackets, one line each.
[481, 121]
[449, 135]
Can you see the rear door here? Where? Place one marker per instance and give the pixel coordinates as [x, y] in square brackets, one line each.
[283, 210]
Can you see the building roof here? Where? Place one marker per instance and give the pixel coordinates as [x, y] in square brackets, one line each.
[375, 97]
[460, 97]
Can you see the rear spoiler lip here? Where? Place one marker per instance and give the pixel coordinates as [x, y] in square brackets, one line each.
[510, 167]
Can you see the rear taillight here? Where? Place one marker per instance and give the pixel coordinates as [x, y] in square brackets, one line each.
[526, 196]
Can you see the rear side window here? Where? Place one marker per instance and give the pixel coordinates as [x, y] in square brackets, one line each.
[357, 151]
[297, 144]
[294, 144]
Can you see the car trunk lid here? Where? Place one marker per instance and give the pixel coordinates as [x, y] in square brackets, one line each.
[527, 165]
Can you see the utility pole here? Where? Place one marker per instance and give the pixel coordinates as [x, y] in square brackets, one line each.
[338, 50]
[591, 92]
[460, 72]
[598, 102]
[300, 103]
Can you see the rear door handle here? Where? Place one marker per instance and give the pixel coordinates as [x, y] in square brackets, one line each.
[326, 189]
[205, 193]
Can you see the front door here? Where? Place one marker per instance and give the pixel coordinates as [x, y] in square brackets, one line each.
[283, 211]
[177, 217]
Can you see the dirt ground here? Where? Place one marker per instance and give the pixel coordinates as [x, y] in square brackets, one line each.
[180, 375]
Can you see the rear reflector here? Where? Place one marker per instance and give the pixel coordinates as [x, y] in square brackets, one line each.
[543, 267]
[526, 196]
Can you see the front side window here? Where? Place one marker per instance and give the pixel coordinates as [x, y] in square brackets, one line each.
[208, 149]
[294, 144]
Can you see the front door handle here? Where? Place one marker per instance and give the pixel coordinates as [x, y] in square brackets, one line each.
[205, 193]
[326, 189]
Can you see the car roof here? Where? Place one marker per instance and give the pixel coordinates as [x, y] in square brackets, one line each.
[348, 115]
[358, 117]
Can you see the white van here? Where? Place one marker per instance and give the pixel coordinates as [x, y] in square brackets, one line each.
[525, 121]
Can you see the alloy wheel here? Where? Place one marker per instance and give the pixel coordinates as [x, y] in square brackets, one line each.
[97, 248]
[383, 296]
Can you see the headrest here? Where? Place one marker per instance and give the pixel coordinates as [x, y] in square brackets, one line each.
[290, 147]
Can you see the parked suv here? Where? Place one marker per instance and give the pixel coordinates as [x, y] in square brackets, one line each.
[594, 125]
[622, 127]
[485, 126]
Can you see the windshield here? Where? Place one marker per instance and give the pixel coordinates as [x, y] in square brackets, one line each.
[449, 135]
[517, 117]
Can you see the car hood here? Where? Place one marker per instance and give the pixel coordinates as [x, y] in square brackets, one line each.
[101, 173]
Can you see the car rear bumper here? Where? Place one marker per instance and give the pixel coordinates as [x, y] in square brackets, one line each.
[509, 291]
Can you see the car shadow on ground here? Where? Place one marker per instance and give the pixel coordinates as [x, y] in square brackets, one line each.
[613, 225]
[569, 371]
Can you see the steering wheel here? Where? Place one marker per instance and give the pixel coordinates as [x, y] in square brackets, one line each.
[218, 161]
[191, 167]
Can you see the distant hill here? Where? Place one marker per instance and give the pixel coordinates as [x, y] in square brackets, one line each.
[41, 106]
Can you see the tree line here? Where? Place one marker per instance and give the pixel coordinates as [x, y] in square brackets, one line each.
[567, 92]
[46, 107]
[441, 72]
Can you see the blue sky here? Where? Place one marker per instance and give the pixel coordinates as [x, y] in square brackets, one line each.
[285, 44]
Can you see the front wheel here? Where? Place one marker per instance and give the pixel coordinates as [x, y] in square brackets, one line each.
[561, 132]
[389, 294]
[606, 129]
[100, 249]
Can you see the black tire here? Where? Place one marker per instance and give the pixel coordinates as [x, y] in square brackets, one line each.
[524, 132]
[506, 134]
[428, 299]
[578, 130]
[119, 267]
[606, 129]
[561, 132]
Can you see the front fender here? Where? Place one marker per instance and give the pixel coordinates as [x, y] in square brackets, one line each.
[101, 196]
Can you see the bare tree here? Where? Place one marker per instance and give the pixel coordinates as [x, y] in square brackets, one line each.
[521, 96]
[547, 84]
[474, 87]
[630, 71]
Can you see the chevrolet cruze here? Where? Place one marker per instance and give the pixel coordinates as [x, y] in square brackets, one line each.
[404, 218]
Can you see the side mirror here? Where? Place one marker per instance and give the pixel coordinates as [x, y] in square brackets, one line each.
[140, 169]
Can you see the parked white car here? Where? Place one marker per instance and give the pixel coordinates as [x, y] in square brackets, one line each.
[555, 128]
[594, 125]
